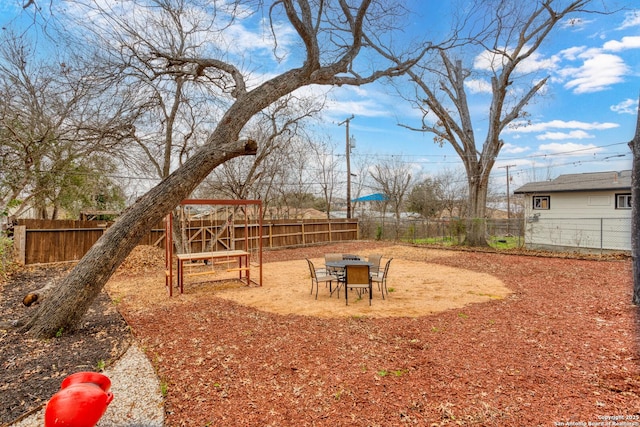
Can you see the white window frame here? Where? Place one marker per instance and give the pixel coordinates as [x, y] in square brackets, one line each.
[623, 201]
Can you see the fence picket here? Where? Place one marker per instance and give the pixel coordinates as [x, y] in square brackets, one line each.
[49, 241]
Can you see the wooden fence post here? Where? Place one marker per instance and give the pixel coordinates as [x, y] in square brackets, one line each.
[20, 243]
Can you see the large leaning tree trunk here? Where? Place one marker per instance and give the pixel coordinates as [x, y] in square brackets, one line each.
[634, 144]
[72, 297]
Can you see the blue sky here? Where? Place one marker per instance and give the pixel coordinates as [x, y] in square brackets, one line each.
[581, 123]
[587, 110]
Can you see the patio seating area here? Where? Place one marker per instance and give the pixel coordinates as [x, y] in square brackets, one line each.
[350, 272]
[414, 286]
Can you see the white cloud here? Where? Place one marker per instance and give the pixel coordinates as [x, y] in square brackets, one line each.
[575, 134]
[486, 61]
[600, 67]
[632, 19]
[524, 127]
[478, 86]
[489, 61]
[570, 149]
[251, 36]
[359, 101]
[359, 90]
[572, 53]
[508, 148]
[365, 108]
[239, 39]
[598, 72]
[628, 106]
[628, 42]
[536, 62]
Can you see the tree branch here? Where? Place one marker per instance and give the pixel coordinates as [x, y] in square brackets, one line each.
[202, 64]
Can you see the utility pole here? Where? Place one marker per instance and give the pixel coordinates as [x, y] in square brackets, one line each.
[508, 201]
[348, 151]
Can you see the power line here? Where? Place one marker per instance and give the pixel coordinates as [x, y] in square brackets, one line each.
[442, 157]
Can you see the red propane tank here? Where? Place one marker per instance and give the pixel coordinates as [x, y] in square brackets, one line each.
[81, 401]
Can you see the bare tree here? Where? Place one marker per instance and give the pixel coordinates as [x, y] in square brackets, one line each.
[326, 172]
[177, 101]
[57, 118]
[516, 30]
[295, 190]
[539, 172]
[332, 35]
[451, 190]
[177, 105]
[393, 178]
[275, 129]
[361, 181]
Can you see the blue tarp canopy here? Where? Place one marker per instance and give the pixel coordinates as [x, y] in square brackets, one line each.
[376, 197]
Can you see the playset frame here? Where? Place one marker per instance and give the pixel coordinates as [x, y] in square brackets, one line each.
[216, 257]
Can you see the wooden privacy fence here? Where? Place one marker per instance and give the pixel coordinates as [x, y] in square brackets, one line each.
[48, 241]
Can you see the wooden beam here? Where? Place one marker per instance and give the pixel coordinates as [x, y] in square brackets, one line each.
[20, 243]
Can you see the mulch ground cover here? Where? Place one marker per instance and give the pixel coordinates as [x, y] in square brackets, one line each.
[562, 348]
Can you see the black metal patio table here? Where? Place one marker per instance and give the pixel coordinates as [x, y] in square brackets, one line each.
[340, 266]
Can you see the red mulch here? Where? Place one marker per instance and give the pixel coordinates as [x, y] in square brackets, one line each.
[563, 347]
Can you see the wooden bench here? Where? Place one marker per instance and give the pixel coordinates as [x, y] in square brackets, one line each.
[241, 256]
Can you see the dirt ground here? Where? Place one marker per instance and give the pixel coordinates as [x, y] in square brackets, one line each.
[417, 288]
[31, 370]
[464, 338]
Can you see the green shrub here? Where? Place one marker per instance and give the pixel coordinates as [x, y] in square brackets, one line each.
[379, 233]
[6, 255]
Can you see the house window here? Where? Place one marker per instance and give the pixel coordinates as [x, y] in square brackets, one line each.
[541, 202]
[623, 201]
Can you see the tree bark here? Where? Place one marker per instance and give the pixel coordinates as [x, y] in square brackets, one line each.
[475, 228]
